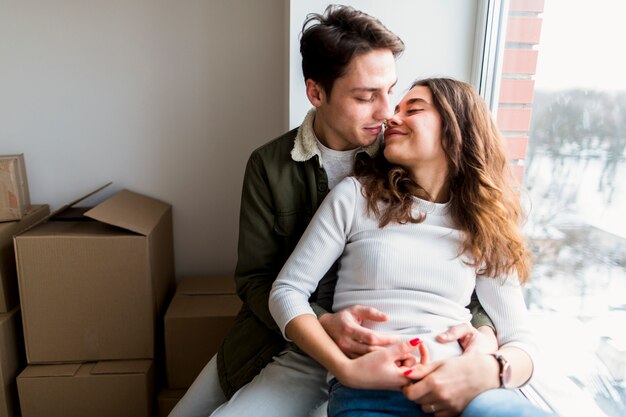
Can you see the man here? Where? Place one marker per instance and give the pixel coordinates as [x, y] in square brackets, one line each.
[348, 61]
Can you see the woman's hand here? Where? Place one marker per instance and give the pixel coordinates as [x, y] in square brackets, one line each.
[384, 368]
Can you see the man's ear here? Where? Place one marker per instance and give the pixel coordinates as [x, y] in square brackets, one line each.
[314, 92]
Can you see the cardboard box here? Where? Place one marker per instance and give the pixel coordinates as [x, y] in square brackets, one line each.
[11, 361]
[14, 195]
[95, 389]
[199, 316]
[8, 274]
[167, 400]
[93, 285]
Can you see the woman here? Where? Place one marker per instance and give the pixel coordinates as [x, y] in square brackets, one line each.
[422, 224]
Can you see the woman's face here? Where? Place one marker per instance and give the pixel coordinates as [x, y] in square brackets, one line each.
[413, 134]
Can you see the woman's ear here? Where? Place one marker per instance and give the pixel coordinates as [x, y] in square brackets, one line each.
[314, 92]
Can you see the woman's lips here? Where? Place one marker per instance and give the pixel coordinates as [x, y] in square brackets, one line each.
[392, 132]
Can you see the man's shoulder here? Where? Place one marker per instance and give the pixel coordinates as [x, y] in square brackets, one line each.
[279, 147]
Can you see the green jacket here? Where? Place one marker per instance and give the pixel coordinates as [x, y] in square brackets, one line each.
[283, 186]
[278, 200]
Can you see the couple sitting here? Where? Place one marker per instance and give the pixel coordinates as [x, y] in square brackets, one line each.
[377, 289]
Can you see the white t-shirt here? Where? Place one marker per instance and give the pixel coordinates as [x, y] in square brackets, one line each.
[337, 164]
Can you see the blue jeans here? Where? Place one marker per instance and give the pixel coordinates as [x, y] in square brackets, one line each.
[502, 403]
[348, 402]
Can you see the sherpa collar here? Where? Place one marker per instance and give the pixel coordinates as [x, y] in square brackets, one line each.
[305, 146]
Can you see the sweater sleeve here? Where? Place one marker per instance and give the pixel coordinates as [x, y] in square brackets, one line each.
[319, 247]
[503, 301]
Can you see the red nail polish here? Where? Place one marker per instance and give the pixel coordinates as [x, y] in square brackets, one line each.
[415, 341]
[407, 373]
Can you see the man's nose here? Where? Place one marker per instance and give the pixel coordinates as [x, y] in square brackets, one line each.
[383, 111]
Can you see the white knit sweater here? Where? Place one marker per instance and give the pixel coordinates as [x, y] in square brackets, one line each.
[411, 272]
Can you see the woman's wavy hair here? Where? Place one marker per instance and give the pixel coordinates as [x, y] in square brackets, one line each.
[483, 204]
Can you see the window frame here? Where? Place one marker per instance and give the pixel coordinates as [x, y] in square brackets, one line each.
[491, 25]
[547, 391]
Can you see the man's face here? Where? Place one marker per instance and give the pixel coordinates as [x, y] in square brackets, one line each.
[359, 103]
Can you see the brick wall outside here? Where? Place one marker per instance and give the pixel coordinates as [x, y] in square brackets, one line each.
[518, 86]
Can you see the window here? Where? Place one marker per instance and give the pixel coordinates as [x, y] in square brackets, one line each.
[561, 105]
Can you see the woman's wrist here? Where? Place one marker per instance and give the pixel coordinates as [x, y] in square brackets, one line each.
[515, 365]
[342, 369]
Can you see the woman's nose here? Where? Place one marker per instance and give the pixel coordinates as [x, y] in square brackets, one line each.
[393, 121]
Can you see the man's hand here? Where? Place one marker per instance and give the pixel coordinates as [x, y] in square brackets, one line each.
[481, 340]
[345, 328]
[448, 386]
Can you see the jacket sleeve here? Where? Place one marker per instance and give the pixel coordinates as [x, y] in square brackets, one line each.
[258, 250]
[479, 315]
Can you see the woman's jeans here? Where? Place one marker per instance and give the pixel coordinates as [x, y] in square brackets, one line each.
[348, 402]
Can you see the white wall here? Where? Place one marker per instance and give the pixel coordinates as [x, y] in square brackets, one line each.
[439, 38]
[168, 98]
[162, 97]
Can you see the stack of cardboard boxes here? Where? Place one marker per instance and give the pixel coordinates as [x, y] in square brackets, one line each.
[93, 286]
[199, 316]
[16, 215]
